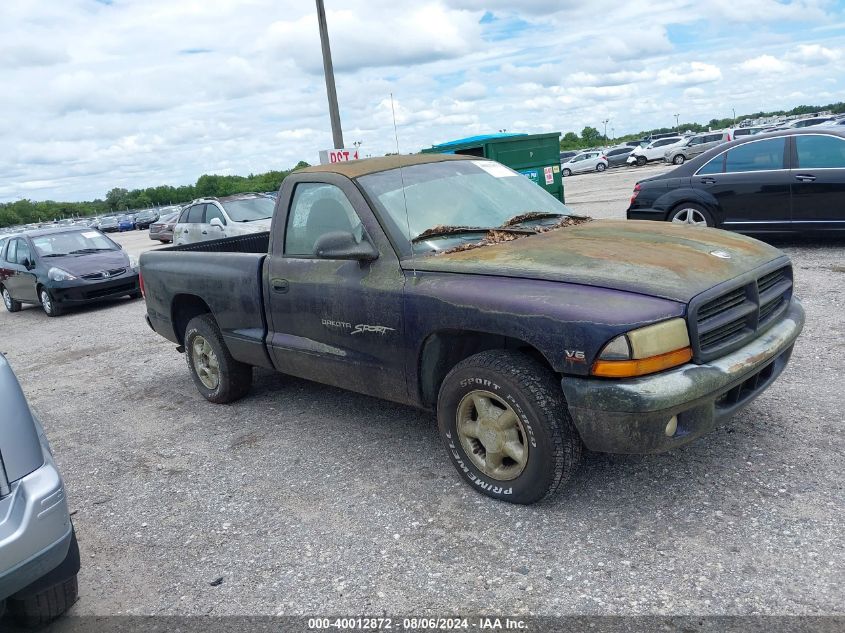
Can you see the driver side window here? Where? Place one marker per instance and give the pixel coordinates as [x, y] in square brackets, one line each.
[23, 255]
[318, 209]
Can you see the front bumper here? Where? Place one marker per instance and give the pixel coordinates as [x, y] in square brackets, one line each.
[631, 416]
[36, 534]
[83, 291]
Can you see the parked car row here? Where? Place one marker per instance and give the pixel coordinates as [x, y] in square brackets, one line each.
[674, 148]
[785, 181]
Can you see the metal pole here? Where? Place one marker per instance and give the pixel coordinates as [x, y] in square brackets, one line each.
[334, 111]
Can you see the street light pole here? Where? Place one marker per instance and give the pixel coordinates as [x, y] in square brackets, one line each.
[328, 68]
[677, 125]
[606, 121]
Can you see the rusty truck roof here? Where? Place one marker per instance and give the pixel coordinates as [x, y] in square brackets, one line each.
[363, 167]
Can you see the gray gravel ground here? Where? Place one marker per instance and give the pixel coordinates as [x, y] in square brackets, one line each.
[306, 499]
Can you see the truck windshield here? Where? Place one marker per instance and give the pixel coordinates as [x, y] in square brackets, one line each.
[249, 209]
[465, 193]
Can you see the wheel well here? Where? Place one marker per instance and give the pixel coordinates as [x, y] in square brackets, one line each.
[185, 308]
[443, 350]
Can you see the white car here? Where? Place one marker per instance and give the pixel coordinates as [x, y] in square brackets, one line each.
[653, 151]
[215, 218]
[585, 161]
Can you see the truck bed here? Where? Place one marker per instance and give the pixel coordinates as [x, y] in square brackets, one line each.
[223, 277]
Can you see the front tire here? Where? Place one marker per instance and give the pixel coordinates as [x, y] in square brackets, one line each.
[11, 304]
[506, 426]
[641, 161]
[218, 376]
[48, 304]
[567, 172]
[679, 159]
[44, 607]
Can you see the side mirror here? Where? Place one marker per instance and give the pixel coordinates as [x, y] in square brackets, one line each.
[216, 222]
[28, 264]
[343, 245]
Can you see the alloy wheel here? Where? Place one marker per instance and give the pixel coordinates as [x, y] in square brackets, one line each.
[492, 435]
[205, 363]
[689, 216]
[7, 299]
[46, 302]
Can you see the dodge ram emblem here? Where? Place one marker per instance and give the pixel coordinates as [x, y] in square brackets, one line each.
[721, 254]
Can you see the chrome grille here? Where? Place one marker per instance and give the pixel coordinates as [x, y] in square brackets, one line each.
[105, 274]
[723, 320]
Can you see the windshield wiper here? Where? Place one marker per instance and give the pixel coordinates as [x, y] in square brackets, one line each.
[56, 255]
[82, 251]
[446, 231]
[529, 216]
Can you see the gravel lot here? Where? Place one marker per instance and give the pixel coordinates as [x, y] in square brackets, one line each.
[306, 499]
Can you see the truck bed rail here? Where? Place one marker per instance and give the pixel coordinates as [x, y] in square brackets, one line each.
[253, 243]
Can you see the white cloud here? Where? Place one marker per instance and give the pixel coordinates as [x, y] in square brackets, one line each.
[764, 65]
[689, 74]
[814, 55]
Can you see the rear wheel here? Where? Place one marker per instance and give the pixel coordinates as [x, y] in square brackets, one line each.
[506, 426]
[44, 607]
[218, 376]
[48, 304]
[601, 167]
[11, 304]
[692, 214]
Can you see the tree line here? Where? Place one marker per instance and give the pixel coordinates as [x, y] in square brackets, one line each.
[119, 199]
[591, 137]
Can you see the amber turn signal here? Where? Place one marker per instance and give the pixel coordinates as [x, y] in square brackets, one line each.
[643, 366]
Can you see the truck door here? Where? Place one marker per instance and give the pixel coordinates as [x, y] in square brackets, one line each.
[336, 321]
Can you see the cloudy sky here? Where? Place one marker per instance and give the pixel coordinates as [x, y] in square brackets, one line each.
[134, 93]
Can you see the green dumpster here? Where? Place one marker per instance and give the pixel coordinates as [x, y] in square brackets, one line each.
[536, 156]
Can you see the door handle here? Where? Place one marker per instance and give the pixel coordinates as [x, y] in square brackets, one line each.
[280, 285]
[708, 181]
[205, 232]
[805, 178]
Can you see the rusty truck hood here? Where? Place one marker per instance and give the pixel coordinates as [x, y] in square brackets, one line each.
[653, 258]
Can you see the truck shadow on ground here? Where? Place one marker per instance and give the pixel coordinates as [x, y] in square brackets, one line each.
[602, 482]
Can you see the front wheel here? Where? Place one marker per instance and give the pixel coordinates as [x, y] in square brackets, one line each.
[567, 172]
[692, 214]
[641, 161]
[11, 304]
[601, 167]
[506, 426]
[679, 159]
[48, 304]
[218, 376]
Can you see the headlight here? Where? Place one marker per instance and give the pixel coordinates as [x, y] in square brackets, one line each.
[57, 274]
[645, 351]
[133, 262]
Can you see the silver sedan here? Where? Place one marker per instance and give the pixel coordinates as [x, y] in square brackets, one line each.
[584, 162]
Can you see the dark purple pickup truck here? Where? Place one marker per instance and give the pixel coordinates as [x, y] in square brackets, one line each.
[456, 285]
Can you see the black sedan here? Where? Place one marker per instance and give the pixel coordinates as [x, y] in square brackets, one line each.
[793, 180]
[58, 268]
